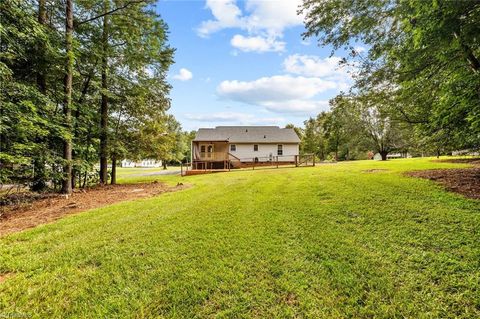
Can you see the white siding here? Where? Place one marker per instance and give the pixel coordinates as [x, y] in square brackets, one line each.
[142, 163]
[127, 163]
[246, 153]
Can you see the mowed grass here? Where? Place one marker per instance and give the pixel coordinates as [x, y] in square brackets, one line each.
[331, 241]
[145, 174]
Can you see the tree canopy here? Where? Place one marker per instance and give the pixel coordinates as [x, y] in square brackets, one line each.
[82, 82]
[423, 55]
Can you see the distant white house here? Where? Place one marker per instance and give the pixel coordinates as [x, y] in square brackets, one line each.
[233, 146]
[142, 163]
[466, 153]
[378, 157]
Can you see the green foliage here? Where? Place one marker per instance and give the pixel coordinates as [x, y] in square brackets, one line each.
[29, 123]
[423, 54]
[355, 125]
[32, 70]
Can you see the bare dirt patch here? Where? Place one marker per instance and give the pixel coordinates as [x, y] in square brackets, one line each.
[378, 170]
[465, 181]
[18, 215]
[5, 276]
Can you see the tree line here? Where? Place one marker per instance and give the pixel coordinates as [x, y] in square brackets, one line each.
[83, 82]
[417, 88]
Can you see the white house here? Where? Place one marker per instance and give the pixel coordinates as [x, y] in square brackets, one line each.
[234, 146]
[142, 163]
[466, 153]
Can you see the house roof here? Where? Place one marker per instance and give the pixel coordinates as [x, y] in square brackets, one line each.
[247, 134]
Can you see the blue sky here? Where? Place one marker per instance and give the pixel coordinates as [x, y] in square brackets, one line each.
[245, 63]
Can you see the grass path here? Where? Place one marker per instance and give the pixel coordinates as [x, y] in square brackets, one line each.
[326, 242]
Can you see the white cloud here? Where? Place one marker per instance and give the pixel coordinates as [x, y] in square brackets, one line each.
[183, 75]
[273, 16]
[360, 49]
[262, 19]
[297, 92]
[280, 93]
[257, 44]
[305, 42]
[275, 88]
[297, 106]
[226, 14]
[309, 65]
[233, 118]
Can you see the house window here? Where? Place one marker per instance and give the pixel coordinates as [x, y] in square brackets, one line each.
[209, 151]
[255, 148]
[279, 149]
[202, 148]
[233, 147]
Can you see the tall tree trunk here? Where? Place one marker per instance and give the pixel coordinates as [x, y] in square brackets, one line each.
[336, 151]
[67, 107]
[42, 19]
[104, 104]
[39, 178]
[113, 180]
[74, 176]
[164, 164]
[384, 155]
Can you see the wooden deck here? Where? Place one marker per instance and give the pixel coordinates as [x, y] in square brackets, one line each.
[217, 166]
[203, 171]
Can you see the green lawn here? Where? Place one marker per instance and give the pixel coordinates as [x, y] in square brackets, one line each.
[142, 175]
[331, 241]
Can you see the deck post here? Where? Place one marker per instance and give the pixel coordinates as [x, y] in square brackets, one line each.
[253, 166]
[277, 161]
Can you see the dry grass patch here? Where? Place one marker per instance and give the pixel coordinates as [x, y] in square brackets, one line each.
[5, 276]
[375, 170]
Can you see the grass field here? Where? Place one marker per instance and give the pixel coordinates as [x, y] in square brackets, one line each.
[331, 241]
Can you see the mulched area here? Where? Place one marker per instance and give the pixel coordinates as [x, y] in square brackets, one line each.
[465, 181]
[467, 160]
[29, 210]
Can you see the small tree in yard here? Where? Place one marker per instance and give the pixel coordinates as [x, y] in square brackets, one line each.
[384, 136]
[174, 146]
[158, 137]
[313, 137]
[364, 121]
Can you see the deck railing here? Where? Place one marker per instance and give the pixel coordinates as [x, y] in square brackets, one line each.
[232, 162]
[213, 156]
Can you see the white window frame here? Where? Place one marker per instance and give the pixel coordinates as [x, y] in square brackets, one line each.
[255, 147]
[233, 147]
[279, 150]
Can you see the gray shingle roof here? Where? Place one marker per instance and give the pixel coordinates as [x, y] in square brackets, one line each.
[247, 134]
